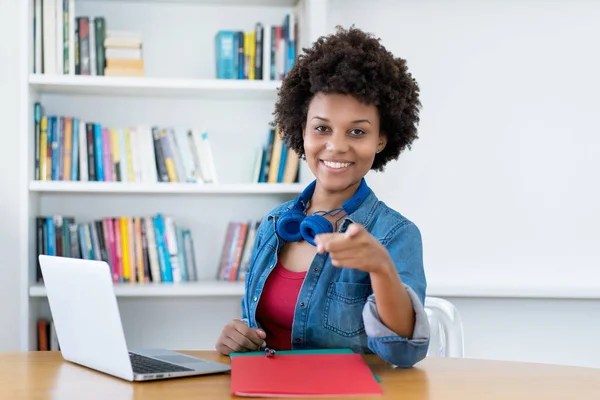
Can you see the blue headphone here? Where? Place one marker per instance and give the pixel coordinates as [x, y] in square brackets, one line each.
[294, 225]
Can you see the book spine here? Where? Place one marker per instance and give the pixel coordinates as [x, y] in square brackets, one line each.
[258, 57]
[98, 152]
[163, 253]
[75, 150]
[43, 174]
[100, 27]
[84, 46]
[67, 149]
[91, 157]
[37, 116]
[190, 255]
[145, 257]
[83, 154]
[155, 268]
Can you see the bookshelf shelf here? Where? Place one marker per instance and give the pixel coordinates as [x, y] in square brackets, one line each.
[148, 86]
[163, 188]
[206, 288]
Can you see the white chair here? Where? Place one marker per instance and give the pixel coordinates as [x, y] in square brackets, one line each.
[447, 338]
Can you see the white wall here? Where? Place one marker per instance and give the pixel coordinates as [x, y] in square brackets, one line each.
[502, 181]
[10, 303]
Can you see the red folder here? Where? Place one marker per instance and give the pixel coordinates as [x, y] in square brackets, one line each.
[294, 375]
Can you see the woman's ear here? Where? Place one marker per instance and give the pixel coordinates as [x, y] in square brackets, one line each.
[382, 142]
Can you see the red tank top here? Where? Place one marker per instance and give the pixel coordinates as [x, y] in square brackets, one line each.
[275, 311]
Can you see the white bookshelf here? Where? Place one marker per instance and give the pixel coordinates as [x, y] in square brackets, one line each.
[179, 89]
[149, 86]
[207, 288]
[164, 188]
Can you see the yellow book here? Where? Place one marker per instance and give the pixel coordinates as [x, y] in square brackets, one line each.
[291, 167]
[67, 148]
[251, 71]
[275, 157]
[116, 155]
[125, 253]
[43, 149]
[246, 55]
[132, 251]
[128, 156]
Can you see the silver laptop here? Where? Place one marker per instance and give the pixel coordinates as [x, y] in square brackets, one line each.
[89, 330]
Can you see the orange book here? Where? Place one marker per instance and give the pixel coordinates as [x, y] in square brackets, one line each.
[123, 72]
[125, 63]
[43, 340]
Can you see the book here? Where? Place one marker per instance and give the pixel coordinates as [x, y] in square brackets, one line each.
[302, 374]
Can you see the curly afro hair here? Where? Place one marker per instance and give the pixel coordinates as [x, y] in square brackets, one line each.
[355, 63]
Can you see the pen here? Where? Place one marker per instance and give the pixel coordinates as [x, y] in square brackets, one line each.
[269, 352]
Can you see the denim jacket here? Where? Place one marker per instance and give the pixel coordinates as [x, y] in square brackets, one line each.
[336, 306]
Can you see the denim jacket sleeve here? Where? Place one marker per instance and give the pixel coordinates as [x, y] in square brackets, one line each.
[255, 247]
[404, 245]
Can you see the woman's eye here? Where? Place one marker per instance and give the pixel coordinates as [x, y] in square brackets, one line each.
[321, 128]
[357, 132]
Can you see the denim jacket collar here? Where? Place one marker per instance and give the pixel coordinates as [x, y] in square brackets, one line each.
[362, 215]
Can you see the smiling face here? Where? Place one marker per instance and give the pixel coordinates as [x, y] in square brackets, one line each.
[341, 139]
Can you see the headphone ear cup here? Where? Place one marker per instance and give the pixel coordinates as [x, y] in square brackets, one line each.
[288, 225]
[313, 226]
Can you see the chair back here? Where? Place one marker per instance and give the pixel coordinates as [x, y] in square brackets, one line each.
[447, 338]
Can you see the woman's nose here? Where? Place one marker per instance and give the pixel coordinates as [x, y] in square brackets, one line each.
[337, 143]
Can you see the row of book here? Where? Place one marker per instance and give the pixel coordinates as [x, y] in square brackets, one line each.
[266, 53]
[274, 162]
[70, 149]
[67, 44]
[138, 249]
[237, 250]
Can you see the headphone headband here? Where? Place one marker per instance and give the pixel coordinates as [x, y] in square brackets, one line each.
[349, 205]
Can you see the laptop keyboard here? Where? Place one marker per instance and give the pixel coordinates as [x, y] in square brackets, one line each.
[147, 365]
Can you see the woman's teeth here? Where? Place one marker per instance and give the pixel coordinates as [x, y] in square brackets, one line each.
[336, 164]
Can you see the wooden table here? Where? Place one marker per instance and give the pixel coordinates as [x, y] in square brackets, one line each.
[44, 375]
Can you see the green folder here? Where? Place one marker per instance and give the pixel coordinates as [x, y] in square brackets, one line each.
[310, 351]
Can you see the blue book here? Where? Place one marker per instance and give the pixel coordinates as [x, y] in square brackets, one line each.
[98, 152]
[166, 271]
[282, 162]
[50, 237]
[226, 54]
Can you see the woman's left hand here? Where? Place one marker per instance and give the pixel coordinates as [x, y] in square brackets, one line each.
[356, 248]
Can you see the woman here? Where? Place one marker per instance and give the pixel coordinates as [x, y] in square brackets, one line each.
[347, 107]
